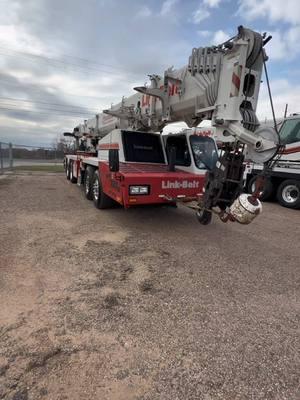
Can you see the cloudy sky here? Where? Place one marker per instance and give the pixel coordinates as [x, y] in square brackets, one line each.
[64, 60]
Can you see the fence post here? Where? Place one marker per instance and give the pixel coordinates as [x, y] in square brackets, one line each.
[1, 159]
[10, 152]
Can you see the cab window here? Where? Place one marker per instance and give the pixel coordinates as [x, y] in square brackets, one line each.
[290, 131]
[204, 151]
[142, 147]
[183, 157]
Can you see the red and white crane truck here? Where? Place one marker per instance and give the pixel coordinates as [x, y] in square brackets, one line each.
[124, 158]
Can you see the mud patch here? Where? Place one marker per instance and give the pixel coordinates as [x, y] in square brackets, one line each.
[96, 238]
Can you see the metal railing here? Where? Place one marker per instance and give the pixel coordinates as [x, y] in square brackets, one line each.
[12, 155]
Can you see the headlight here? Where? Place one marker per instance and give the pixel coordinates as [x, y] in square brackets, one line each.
[138, 190]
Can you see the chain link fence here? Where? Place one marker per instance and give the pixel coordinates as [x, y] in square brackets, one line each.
[18, 156]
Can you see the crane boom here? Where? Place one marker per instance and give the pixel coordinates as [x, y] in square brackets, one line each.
[220, 83]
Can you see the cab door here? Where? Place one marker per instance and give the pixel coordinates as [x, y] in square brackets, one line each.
[290, 137]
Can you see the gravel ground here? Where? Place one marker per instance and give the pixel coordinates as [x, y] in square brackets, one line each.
[143, 304]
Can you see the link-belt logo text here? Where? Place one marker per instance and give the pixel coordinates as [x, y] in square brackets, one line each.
[180, 184]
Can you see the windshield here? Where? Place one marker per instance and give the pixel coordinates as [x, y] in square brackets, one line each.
[204, 151]
[290, 131]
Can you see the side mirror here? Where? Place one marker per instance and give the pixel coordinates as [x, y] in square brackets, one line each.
[68, 134]
[113, 160]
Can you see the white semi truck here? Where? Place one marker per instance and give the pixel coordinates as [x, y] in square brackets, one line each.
[124, 158]
[283, 180]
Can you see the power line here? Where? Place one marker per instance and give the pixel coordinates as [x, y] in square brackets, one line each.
[64, 93]
[99, 64]
[51, 60]
[49, 109]
[50, 104]
[85, 60]
[44, 113]
[46, 59]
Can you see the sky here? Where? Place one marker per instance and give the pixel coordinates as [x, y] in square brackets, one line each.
[61, 61]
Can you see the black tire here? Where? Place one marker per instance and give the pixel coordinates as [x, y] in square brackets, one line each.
[68, 169]
[100, 199]
[87, 182]
[288, 194]
[73, 179]
[204, 217]
[268, 191]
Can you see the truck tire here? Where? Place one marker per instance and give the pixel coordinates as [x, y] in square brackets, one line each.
[288, 193]
[268, 191]
[87, 184]
[68, 170]
[204, 217]
[100, 199]
[73, 179]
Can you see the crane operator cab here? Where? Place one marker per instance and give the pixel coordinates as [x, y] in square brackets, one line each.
[193, 153]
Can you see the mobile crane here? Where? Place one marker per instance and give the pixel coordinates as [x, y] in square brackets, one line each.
[126, 160]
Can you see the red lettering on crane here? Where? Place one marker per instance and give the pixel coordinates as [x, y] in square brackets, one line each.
[205, 133]
[172, 89]
[146, 100]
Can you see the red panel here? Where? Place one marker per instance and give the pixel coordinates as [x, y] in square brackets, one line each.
[77, 168]
[236, 81]
[111, 182]
[108, 146]
[291, 150]
[161, 181]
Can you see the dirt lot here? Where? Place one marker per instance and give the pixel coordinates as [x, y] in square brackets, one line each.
[143, 304]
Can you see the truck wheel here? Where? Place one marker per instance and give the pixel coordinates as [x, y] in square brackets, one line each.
[288, 193]
[88, 180]
[68, 170]
[73, 179]
[100, 199]
[268, 191]
[204, 217]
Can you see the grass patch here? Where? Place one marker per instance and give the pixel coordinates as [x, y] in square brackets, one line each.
[40, 168]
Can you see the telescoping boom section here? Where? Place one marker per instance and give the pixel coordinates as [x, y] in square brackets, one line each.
[123, 157]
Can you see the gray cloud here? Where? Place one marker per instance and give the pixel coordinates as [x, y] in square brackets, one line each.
[122, 44]
[105, 32]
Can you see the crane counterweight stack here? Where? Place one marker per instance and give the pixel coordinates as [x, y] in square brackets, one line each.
[219, 83]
